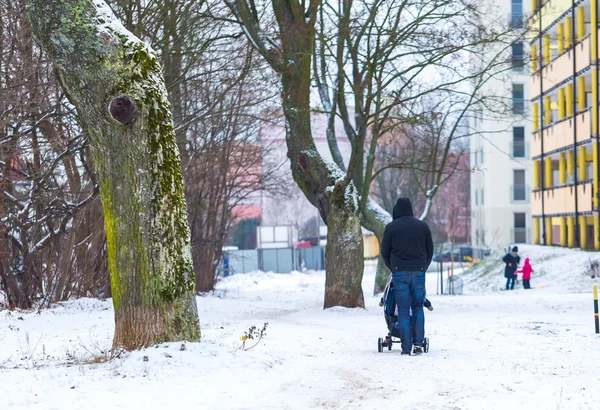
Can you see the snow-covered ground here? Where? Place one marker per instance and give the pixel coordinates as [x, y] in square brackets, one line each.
[560, 270]
[490, 349]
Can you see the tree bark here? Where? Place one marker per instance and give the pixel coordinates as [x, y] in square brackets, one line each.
[116, 84]
[344, 254]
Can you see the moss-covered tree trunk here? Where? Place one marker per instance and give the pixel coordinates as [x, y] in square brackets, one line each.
[115, 81]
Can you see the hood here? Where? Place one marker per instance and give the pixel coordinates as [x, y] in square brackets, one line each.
[526, 261]
[402, 208]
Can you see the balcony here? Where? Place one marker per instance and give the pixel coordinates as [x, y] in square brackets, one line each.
[561, 68]
[519, 193]
[560, 134]
[562, 200]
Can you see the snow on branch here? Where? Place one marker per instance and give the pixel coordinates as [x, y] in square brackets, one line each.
[428, 202]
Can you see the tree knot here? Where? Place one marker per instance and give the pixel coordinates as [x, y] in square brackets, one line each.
[303, 162]
[123, 109]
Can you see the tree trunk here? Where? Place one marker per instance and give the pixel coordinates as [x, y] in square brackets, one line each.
[344, 254]
[321, 181]
[116, 84]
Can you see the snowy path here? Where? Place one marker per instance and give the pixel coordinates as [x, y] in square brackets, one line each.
[501, 350]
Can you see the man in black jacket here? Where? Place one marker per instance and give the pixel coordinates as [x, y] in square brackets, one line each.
[512, 261]
[407, 250]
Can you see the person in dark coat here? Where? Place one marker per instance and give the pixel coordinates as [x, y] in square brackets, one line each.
[511, 260]
[407, 250]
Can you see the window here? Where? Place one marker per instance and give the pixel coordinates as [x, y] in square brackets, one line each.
[518, 99]
[517, 56]
[476, 197]
[516, 15]
[520, 228]
[520, 220]
[518, 150]
[481, 156]
[482, 203]
[518, 188]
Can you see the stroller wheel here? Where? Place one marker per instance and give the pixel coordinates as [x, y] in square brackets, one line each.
[426, 345]
[380, 345]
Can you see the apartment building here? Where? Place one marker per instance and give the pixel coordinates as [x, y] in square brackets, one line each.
[563, 89]
[500, 152]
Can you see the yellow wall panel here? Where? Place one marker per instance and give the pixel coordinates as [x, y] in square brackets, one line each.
[582, 168]
[581, 101]
[580, 22]
[562, 168]
[569, 99]
[571, 231]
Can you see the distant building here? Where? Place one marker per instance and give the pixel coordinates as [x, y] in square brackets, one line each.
[291, 207]
[564, 92]
[500, 153]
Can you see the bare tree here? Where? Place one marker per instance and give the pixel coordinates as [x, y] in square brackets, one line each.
[50, 248]
[284, 34]
[384, 58]
[116, 84]
[226, 166]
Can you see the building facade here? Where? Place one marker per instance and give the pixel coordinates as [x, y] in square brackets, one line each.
[563, 89]
[500, 152]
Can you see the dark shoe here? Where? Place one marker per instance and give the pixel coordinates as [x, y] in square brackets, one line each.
[417, 350]
[405, 353]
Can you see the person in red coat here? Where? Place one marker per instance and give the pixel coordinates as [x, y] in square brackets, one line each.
[526, 271]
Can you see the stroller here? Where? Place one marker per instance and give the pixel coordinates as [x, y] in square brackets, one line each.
[390, 312]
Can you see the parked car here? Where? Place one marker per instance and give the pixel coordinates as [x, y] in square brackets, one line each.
[445, 257]
[462, 254]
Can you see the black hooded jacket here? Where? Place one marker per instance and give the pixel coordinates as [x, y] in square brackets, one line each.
[406, 244]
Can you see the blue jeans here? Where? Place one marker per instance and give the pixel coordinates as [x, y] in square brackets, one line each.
[510, 282]
[409, 290]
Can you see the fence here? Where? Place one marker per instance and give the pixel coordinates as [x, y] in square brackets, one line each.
[276, 260]
[281, 260]
[242, 261]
